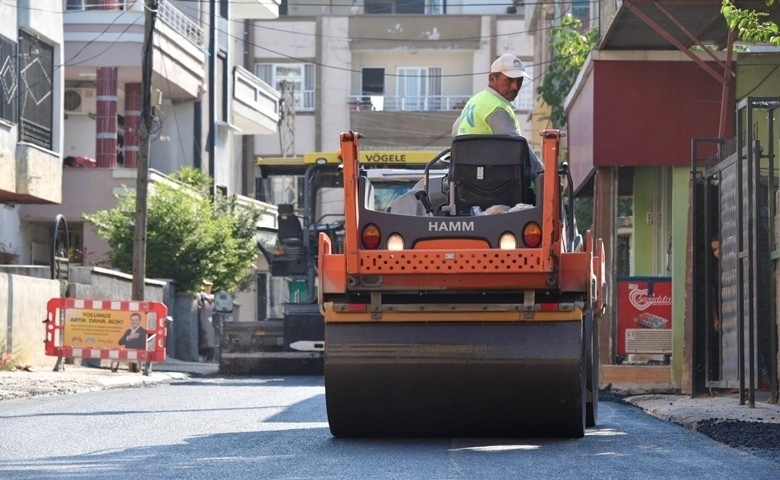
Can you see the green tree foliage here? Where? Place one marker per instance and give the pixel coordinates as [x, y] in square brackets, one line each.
[189, 238]
[583, 212]
[751, 25]
[194, 177]
[570, 49]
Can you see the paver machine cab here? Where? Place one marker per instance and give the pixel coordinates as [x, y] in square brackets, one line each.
[292, 344]
[470, 314]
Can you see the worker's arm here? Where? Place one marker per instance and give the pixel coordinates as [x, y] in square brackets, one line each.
[501, 123]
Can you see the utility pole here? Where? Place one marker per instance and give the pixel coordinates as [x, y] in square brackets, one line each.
[142, 175]
[212, 93]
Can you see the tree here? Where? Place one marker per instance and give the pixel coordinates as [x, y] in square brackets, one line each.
[189, 238]
[749, 25]
[570, 49]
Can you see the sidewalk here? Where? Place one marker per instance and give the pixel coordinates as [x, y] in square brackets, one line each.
[42, 380]
[691, 412]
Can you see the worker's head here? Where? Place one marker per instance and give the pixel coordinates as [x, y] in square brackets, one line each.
[506, 76]
[207, 286]
[715, 245]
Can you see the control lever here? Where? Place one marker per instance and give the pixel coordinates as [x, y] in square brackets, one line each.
[422, 197]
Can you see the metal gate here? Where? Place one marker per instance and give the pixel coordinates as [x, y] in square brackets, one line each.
[733, 195]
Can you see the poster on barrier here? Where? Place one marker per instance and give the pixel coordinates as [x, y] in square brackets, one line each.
[106, 329]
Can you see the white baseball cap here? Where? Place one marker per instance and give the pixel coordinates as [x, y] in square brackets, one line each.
[509, 65]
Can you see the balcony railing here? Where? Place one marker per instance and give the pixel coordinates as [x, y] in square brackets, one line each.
[166, 12]
[256, 104]
[180, 22]
[425, 103]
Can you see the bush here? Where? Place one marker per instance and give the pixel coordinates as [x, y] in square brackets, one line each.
[189, 238]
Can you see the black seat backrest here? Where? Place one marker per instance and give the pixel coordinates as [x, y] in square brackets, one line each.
[488, 170]
[290, 231]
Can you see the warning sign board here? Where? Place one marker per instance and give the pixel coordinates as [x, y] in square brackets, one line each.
[109, 329]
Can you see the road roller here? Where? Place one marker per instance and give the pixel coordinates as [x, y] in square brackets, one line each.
[468, 307]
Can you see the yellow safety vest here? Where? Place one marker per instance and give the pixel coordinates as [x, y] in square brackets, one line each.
[474, 115]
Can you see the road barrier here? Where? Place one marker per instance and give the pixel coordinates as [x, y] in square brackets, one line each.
[118, 330]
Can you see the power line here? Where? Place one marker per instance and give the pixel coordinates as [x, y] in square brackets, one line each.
[259, 24]
[262, 24]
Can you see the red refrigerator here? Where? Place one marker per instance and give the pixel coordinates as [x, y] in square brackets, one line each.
[644, 316]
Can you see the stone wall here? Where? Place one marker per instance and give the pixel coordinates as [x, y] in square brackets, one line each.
[25, 291]
[22, 330]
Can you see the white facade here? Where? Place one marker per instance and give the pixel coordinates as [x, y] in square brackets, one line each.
[31, 132]
[86, 37]
[427, 66]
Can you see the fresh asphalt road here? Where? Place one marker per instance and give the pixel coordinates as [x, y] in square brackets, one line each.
[276, 428]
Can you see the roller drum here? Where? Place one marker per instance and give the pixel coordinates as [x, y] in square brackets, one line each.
[413, 379]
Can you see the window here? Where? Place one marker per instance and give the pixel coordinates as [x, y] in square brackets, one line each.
[9, 81]
[78, 5]
[221, 77]
[419, 88]
[376, 7]
[262, 297]
[373, 81]
[434, 7]
[301, 75]
[409, 6]
[36, 63]
[580, 9]
[413, 7]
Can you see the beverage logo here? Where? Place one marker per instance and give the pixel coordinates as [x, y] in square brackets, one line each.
[639, 299]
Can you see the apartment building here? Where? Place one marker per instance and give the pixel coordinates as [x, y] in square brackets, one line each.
[31, 50]
[396, 71]
[205, 106]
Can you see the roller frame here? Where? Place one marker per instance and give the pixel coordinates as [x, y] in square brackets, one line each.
[422, 368]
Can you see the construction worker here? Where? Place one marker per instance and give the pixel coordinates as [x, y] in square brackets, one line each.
[491, 111]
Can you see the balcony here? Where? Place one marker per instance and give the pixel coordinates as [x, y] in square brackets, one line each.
[415, 32]
[255, 104]
[88, 190]
[99, 38]
[35, 176]
[254, 10]
[390, 121]
[424, 103]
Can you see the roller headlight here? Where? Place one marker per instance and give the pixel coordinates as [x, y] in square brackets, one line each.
[395, 242]
[507, 241]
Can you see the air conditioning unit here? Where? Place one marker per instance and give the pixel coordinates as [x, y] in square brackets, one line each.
[80, 101]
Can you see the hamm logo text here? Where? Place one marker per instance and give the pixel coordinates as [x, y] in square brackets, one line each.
[450, 226]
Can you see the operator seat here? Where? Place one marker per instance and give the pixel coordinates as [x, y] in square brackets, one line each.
[488, 170]
[290, 232]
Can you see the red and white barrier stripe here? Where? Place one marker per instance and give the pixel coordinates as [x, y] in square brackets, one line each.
[55, 324]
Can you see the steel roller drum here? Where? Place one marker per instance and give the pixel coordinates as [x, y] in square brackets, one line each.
[471, 379]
